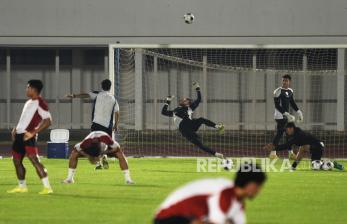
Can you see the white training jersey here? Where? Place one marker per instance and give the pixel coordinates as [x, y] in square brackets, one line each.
[212, 200]
[105, 140]
[34, 111]
[105, 105]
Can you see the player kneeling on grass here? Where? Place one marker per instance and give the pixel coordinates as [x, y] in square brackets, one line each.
[306, 142]
[212, 201]
[94, 146]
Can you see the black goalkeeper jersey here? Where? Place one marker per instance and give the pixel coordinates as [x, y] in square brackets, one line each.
[182, 112]
[283, 98]
[300, 138]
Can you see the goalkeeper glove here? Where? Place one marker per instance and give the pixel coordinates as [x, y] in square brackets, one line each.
[300, 116]
[169, 99]
[196, 85]
[289, 117]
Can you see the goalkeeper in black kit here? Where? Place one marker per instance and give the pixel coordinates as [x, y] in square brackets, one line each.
[187, 125]
[284, 99]
[307, 143]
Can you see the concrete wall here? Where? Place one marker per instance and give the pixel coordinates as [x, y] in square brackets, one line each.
[76, 75]
[79, 22]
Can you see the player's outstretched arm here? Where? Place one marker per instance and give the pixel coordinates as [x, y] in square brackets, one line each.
[196, 102]
[165, 111]
[77, 95]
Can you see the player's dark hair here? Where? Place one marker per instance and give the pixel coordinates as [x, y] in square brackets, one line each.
[36, 84]
[106, 84]
[287, 76]
[290, 125]
[93, 150]
[249, 173]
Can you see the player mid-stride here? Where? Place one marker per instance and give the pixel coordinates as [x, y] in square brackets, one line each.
[35, 118]
[187, 125]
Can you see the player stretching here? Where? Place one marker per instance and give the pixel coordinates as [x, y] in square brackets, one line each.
[105, 107]
[95, 145]
[35, 118]
[217, 201]
[189, 126]
[284, 98]
[306, 142]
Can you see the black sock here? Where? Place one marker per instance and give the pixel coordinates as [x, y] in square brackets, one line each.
[295, 164]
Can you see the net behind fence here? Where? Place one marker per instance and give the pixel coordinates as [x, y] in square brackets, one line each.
[237, 90]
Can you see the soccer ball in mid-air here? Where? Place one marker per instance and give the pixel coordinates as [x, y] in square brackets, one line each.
[227, 164]
[316, 164]
[188, 18]
[327, 165]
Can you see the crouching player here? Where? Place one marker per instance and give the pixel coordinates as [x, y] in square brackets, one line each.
[217, 201]
[307, 143]
[94, 146]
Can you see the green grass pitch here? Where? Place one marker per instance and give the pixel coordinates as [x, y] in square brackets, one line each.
[303, 196]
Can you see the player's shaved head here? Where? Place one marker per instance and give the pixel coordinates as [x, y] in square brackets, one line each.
[185, 102]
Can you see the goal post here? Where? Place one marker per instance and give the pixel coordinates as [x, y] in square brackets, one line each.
[237, 84]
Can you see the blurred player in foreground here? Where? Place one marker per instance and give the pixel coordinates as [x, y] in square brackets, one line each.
[284, 99]
[187, 125]
[94, 146]
[306, 143]
[212, 201]
[35, 118]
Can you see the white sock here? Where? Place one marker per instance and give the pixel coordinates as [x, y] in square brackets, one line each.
[127, 175]
[71, 174]
[45, 182]
[272, 153]
[22, 183]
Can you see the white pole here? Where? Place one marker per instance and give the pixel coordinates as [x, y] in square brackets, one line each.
[8, 89]
[204, 86]
[111, 75]
[155, 90]
[304, 95]
[138, 90]
[253, 89]
[341, 72]
[57, 59]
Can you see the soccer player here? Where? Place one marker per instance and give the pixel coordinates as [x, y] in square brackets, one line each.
[216, 201]
[284, 98]
[306, 142]
[105, 107]
[35, 118]
[95, 145]
[187, 125]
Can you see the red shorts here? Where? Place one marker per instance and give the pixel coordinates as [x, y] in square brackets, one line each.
[20, 148]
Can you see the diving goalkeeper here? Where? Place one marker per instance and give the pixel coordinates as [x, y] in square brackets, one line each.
[187, 125]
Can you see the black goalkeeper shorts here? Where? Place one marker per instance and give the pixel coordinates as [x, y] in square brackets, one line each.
[316, 152]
